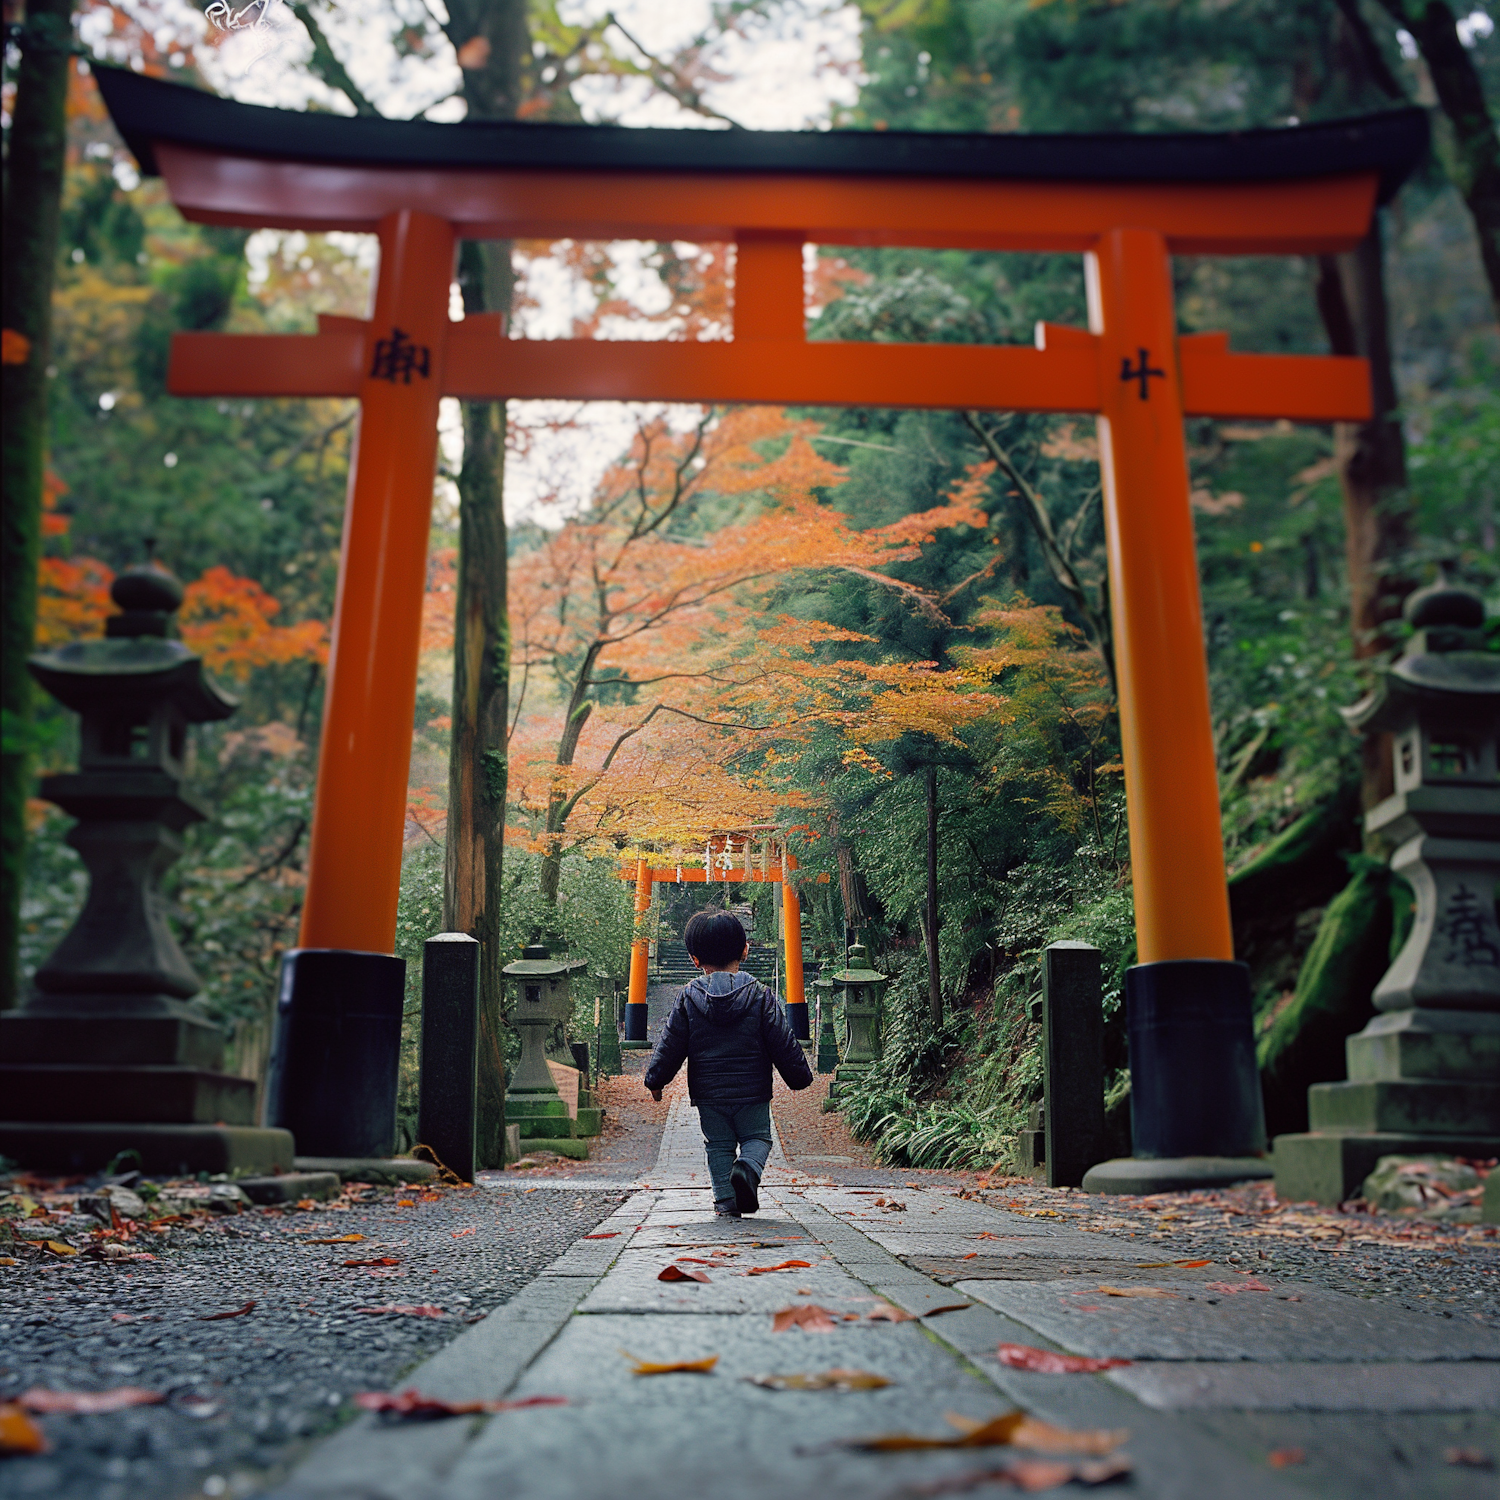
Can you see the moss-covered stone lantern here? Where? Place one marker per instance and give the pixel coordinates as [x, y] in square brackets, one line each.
[863, 989]
[108, 1053]
[1424, 1075]
[542, 992]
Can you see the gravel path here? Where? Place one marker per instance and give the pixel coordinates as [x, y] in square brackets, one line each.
[246, 1394]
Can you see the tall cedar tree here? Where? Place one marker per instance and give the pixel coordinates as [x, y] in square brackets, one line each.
[33, 199]
[1473, 156]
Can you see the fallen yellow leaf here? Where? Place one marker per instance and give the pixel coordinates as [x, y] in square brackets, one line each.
[1135, 1291]
[822, 1380]
[673, 1367]
[18, 1433]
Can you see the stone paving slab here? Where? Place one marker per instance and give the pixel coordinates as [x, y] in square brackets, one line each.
[1203, 1359]
[690, 1435]
[1293, 1385]
[634, 1287]
[1319, 1325]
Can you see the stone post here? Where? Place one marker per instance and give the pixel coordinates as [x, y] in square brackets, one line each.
[607, 1063]
[1424, 1075]
[1072, 1061]
[109, 1052]
[450, 1051]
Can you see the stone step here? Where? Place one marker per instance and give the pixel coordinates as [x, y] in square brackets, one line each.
[1410, 1106]
[149, 1093]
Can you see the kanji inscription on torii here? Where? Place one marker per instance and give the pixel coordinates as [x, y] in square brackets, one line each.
[1127, 204]
[397, 358]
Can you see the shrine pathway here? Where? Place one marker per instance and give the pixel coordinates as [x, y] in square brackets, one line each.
[1238, 1386]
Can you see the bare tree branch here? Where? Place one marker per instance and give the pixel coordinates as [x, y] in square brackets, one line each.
[326, 64]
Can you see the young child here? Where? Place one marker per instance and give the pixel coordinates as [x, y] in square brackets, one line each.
[730, 1029]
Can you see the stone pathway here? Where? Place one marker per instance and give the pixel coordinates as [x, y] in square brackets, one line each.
[1239, 1386]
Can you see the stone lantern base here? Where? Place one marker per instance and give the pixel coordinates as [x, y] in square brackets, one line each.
[845, 1076]
[81, 1084]
[1421, 1083]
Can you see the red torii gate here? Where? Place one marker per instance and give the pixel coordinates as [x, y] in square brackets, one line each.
[1126, 203]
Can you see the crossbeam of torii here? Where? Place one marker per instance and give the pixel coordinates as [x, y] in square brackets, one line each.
[1126, 203]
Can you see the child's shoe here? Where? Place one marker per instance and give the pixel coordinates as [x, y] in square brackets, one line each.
[726, 1210]
[744, 1180]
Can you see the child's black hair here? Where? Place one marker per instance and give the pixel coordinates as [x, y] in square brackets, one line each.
[714, 937]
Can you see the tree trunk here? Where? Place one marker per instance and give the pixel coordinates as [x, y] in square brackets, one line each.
[478, 763]
[559, 803]
[930, 922]
[36, 151]
[1472, 157]
[1372, 472]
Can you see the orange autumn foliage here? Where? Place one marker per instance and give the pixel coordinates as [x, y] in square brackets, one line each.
[674, 674]
[226, 619]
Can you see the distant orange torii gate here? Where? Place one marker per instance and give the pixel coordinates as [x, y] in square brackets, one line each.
[733, 868]
[1125, 203]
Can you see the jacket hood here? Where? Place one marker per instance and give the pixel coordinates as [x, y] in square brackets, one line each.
[721, 996]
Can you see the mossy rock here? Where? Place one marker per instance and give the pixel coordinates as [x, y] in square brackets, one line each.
[1305, 1044]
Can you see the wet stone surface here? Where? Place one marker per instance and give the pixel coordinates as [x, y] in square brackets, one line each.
[246, 1395]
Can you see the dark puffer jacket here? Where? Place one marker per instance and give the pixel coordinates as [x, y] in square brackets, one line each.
[730, 1029]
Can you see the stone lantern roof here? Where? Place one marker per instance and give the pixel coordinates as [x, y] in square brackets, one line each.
[136, 662]
[1444, 669]
[859, 970]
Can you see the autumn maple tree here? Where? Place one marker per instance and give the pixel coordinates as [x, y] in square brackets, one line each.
[669, 683]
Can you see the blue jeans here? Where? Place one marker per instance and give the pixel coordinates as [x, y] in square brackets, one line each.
[730, 1126]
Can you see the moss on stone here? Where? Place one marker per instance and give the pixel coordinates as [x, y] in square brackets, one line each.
[1305, 1044]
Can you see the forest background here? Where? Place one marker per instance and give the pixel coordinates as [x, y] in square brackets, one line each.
[850, 625]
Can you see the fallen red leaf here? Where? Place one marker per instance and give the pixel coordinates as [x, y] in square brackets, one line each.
[1014, 1428]
[1286, 1458]
[1468, 1458]
[384, 1260]
[786, 1265]
[614, 1234]
[681, 1273]
[808, 1316]
[969, 1256]
[238, 1312]
[947, 1307]
[458, 1234]
[413, 1404]
[87, 1403]
[1047, 1362]
[18, 1433]
[421, 1310]
[883, 1312]
[1231, 1287]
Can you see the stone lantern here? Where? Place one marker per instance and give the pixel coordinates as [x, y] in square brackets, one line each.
[828, 1047]
[543, 999]
[863, 989]
[108, 1053]
[1424, 1075]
